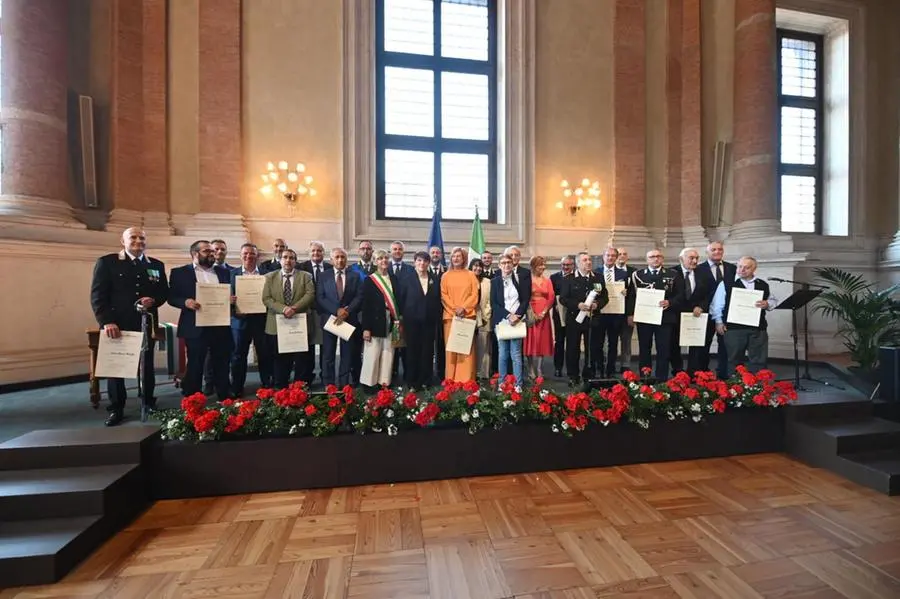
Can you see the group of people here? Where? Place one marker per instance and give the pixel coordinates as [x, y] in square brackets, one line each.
[403, 315]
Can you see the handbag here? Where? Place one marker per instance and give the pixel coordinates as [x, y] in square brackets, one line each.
[530, 317]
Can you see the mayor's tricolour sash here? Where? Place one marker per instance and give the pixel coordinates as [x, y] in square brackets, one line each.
[387, 292]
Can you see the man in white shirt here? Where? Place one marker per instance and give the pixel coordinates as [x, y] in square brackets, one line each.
[743, 339]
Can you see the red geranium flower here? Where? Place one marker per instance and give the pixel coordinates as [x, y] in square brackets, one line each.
[310, 410]
[718, 405]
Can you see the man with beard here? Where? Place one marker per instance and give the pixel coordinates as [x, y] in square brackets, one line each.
[201, 340]
[124, 286]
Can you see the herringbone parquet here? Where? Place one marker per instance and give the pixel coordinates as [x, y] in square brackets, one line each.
[755, 526]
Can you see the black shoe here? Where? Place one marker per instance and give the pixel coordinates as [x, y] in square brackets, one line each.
[115, 418]
[558, 373]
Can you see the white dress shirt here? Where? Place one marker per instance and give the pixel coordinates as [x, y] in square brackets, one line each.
[717, 307]
[205, 275]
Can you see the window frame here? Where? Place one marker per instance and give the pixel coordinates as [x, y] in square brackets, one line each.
[437, 144]
[817, 170]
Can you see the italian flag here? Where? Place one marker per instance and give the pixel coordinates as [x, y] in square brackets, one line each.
[476, 243]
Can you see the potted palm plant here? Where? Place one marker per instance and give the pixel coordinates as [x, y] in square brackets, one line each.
[868, 318]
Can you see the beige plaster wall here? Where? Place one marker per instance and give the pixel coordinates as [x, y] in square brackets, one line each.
[574, 106]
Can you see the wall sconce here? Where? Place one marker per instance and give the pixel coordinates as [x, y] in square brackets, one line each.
[291, 183]
[586, 195]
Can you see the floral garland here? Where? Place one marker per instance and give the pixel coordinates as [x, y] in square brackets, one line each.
[297, 411]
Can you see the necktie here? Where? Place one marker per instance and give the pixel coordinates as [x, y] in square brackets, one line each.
[688, 288]
[397, 268]
[718, 273]
[609, 276]
[288, 294]
[339, 282]
[315, 273]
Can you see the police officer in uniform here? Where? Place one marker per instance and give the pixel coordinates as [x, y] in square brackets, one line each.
[125, 286]
[655, 276]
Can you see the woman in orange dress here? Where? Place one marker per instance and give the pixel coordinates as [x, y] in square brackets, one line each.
[539, 340]
[459, 296]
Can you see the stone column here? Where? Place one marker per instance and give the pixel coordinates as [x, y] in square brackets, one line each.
[36, 170]
[755, 130]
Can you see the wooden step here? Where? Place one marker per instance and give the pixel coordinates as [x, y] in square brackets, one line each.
[43, 551]
[65, 448]
[66, 492]
[879, 470]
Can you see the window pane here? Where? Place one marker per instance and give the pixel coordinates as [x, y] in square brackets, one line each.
[798, 67]
[798, 204]
[464, 29]
[464, 185]
[408, 184]
[798, 135]
[409, 26]
[409, 102]
[465, 107]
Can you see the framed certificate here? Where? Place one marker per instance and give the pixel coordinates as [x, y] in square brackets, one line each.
[119, 358]
[293, 334]
[742, 307]
[215, 304]
[248, 291]
[462, 334]
[693, 330]
[646, 306]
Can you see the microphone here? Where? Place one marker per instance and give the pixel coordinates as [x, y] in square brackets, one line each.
[777, 279]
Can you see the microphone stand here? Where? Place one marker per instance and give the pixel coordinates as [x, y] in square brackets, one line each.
[806, 375]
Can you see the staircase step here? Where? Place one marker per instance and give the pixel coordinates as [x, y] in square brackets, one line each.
[43, 551]
[856, 435]
[64, 492]
[813, 406]
[879, 470]
[76, 447]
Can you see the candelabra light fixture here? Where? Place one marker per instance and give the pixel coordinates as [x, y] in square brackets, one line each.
[586, 195]
[292, 183]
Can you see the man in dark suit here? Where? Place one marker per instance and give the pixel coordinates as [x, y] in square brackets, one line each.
[125, 287]
[558, 279]
[696, 302]
[316, 266]
[419, 297]
[575, 296]
[278, 246]
[627, 333]
[713, 271]
[655, 276]
[609, 328]
[365, 266]
[338, 294]
[399, 269]
[247, 329]
[200, 340]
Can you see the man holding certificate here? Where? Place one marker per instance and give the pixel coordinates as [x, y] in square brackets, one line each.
[739, 310]
[289, 295]
[693, 310]
[203, 292]
[125, 286]
[248, 322]
[584, 295]
[338, 299]
[654, 304]
[612, 316]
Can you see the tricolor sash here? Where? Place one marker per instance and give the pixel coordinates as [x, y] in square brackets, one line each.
[391, 302]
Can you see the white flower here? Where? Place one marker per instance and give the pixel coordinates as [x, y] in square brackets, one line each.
[163, 436]
[604, 422]
[464, 417]
[508, 403]
[477, 393]
[697, 418]
[554, 428]
[303, 423]
[642, 423]
[172, 423]
[475, 413]
[294, 430]
[389, 413]
[376, 429]
[392, 430]
[733, 393]
[518, 389]
[695, 407]
[544, 393]
[634, 385]
[738, 404]
[670, 415]
[564, 425]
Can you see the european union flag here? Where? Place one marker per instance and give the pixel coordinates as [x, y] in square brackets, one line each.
[435, 238]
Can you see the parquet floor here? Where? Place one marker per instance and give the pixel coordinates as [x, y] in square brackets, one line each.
[754, 526]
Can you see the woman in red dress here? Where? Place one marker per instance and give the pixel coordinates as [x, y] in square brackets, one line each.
[539, 340]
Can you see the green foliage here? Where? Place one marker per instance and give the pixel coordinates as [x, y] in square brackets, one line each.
[868, 318]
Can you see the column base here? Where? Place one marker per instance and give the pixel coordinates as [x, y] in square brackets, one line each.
[892, 251]
[750, 229]
[677, 238]
[155, 224]
[637, 239]
[208, 225]
[33, 210]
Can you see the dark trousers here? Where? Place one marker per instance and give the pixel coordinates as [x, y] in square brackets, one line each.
[255, 333]
[355, 350]
[115, 388]
[329, 361]
[575, 334]
[307, 365]
[661, 336]
[399, 358]
[215, 341]
[749, 343]
[209, 376]
[607, 332]
[722, 368]
[559, 344]
[420, 344]
[285, 363]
